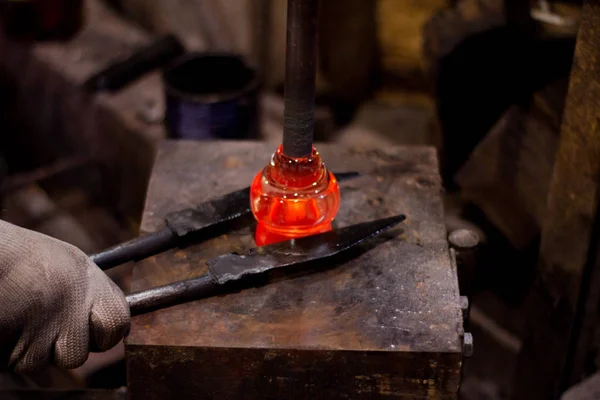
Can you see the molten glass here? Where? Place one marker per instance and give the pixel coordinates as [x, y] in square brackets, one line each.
[293, 197]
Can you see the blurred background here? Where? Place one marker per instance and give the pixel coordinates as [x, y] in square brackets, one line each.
[483, 81]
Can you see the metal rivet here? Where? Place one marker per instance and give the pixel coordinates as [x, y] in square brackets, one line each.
[462, 239]
[467, 345]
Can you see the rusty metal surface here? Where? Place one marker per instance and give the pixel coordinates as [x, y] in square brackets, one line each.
[386, 319]
[563, 303]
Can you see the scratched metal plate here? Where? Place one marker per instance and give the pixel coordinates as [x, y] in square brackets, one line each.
[395, 298]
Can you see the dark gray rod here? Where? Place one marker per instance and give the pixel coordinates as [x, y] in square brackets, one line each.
[300, 78]
[171, 294]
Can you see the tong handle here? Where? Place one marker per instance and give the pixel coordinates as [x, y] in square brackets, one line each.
[171, 294]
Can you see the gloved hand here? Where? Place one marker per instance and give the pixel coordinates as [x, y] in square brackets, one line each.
[55, 304]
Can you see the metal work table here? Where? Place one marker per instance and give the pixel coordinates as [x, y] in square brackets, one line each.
[382, 321]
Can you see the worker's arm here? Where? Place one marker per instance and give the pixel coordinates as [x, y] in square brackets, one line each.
[55, 304]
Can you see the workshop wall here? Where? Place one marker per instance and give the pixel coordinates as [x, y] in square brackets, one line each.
[400, 25]
[366, 34]
[200, 24]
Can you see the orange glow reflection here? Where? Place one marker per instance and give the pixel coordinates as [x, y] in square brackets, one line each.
[292, 198]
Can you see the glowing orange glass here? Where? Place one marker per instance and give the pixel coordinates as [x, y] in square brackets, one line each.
[293, 197]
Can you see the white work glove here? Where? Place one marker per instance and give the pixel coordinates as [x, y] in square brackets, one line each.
[55, 304]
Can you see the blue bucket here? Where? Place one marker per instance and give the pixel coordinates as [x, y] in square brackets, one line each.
[211, 96]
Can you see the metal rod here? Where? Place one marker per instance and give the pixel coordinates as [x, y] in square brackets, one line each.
[136, 249]
[171, 294]
[300, 78]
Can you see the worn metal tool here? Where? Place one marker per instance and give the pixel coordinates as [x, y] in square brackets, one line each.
[182, 223]
[226, 269]
[125, 71]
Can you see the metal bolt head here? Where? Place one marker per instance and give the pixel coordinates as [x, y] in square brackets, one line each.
[464, 307]
[467, 345]
[463, 239]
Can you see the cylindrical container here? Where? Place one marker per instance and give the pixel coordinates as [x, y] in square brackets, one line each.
[41, 19]
[211, 96]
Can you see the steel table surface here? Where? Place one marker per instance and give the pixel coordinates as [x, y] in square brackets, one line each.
[382, 321]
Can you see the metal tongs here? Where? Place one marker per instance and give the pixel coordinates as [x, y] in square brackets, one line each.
[229, 268]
